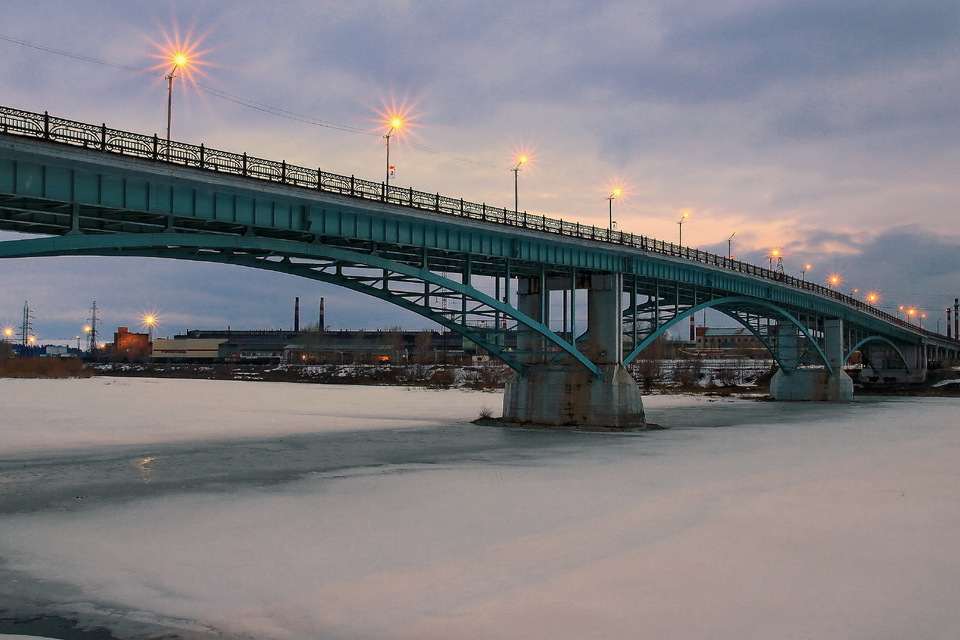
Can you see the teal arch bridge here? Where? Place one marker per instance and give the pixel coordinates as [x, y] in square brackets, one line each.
[567, 306]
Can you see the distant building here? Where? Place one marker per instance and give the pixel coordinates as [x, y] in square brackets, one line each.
[130, 347]
[166, 349]
[318, 347]
[720, 342]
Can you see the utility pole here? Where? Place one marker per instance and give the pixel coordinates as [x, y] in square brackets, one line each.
[93, 328]
[26, 328]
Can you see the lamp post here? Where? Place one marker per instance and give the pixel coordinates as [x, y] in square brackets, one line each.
[803, 274]
[395, 123]
[179, 60]
[149, 320]
[686, 214]
[730, 245]
[516, 181]
[617, 191]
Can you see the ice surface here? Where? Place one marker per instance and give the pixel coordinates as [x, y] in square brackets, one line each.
[93, 412]
[745, 520]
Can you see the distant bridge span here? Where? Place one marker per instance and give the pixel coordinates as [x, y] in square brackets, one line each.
[580, 301]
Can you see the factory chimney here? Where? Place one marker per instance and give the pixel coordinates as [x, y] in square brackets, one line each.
[321, 325]
[296, 315]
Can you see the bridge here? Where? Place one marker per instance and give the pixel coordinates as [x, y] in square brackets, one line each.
[581, 302]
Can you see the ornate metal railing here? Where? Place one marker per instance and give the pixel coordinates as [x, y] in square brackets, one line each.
[102, 138]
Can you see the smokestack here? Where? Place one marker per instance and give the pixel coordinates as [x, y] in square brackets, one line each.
[296, 315]
[956, 318]
[321, 324]
[693, 329]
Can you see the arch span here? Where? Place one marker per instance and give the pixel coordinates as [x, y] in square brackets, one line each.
[412, 287]
[887, 341]
[720, 304]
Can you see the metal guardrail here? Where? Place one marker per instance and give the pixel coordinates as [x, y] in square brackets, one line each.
[102, 138]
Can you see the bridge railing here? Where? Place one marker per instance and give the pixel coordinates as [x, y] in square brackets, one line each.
[100, 137]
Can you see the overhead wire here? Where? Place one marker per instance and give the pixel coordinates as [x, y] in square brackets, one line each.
[244, 102]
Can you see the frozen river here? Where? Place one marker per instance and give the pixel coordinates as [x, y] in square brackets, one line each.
[222, 509]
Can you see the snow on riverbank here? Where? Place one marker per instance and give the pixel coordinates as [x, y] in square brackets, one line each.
[745, 521]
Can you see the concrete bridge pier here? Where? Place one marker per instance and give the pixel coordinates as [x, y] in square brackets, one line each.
[566, 394]
[791, 383]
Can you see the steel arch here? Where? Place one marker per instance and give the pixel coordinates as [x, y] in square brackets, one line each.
[718, 304]
[879, 339]
[324, 263]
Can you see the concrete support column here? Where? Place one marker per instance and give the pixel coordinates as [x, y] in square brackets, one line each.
[917, 360]
[604, 319]
[530, 303]
[791, 383]
[566, 394]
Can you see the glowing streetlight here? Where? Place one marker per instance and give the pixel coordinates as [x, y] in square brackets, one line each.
[616, 193]
[179, 59]
[899, 309]
[834, 280]
[8, 332]
[803, 274]
[149, 320]
[730, 245]
[922, 316]
[516, 181]
[775, 253]
[911, 312]
[395, 122]
[872, 297]
[686, 214]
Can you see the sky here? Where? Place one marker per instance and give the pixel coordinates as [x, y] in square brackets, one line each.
[826, 129]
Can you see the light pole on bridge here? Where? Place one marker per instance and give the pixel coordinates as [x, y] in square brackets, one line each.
[516, 182]
[730, 245]
[617, 192]
[179, 60]
[395, 124]
[686, 214]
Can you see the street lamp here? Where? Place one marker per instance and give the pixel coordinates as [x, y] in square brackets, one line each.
[775, 254]
[899, 309]
[686, 214]
[516, 180]
[395, 123]
[872, 297]
[803, 274]
[617, 192]
[149, 320]
[834, 280]
[179, 60]
[730, 245]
